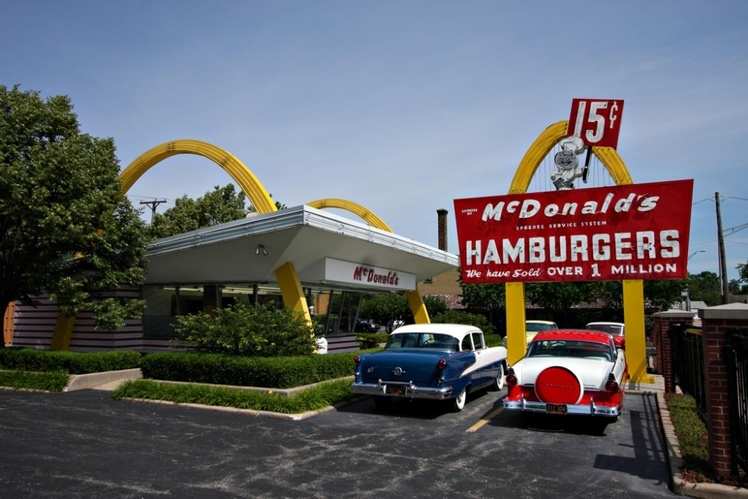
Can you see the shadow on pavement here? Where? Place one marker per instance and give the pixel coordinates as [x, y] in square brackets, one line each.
[649, 456]
[416, 409]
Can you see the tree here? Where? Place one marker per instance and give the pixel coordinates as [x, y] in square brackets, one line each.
[705, 286]
[662, 294]
[67, 229]
[222, 204]
[384, 307]
[435, 305]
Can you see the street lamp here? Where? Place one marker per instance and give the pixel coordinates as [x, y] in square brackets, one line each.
[696, 253]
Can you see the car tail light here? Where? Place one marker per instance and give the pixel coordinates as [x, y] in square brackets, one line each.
[442, 363]
[511, 378]
[356, 359]
[612, 384]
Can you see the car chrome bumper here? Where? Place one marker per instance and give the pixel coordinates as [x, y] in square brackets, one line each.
[571, 409]
[410, 391]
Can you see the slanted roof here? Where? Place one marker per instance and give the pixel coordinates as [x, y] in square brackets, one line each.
[249, 250]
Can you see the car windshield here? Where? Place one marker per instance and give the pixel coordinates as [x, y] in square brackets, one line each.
[569, 348]
[423, 340]
[534, 327]
[605, 328]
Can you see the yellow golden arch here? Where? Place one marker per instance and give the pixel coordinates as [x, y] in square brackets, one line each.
[633, 290]
[288, 280]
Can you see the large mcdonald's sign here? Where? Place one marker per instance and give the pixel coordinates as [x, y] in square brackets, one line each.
[636, 231]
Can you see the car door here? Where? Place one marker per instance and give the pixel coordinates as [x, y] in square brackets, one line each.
[485, 358]
[620, 364]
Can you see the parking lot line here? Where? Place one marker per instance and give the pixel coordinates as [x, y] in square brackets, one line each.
[484, 420]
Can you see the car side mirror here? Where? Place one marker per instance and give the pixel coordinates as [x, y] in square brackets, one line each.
[620, 342]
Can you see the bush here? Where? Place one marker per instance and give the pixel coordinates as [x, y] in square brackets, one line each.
[28, 359]
[247, 330]
[315, 398]
[271, 372]
[372, 340]
[494, 340]
[458, 317]
[692, 436]
[435, 304]
[53, 381]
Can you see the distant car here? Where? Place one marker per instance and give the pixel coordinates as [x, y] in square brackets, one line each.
[366, 327]
[534, 327]
[569, 372]
[612, 328]
[431, 361]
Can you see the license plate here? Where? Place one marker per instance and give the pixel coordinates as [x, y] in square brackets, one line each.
[555, 408]
[395, 390]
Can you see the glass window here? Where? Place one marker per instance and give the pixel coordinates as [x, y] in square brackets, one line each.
[535, 327]
[467, 345]
[441, 342]
[478, 341]
[570, 348]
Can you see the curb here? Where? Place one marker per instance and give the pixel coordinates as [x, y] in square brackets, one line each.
[285, 392]
[94, 380]
[249, 412]
[675, 461]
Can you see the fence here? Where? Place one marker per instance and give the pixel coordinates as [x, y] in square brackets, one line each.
[737, 353]
[688, 368]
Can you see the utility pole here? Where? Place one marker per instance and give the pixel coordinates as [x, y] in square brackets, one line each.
[153, 204]
[721, 247]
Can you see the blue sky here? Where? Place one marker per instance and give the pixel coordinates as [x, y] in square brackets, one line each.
[402, 106]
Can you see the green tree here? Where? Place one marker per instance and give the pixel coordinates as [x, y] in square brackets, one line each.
[435, 305]
[222, 204]
[743, 272]
[661, 294]
[705, 286]
[384, 307]
[66, 227]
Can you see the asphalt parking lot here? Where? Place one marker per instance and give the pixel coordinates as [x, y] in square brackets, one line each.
[83, 444]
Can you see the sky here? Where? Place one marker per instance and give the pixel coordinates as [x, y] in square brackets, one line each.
[400, 106]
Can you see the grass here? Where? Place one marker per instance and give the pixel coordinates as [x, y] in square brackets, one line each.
[315, 398]
[692, 437]
[52, 381]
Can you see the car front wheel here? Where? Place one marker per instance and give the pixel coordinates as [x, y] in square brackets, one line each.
[458, 403]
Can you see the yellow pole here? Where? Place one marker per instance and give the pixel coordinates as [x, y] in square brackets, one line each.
[63, 332]
[636, 343]
[415, 302]
[293, 294]
[515, 321]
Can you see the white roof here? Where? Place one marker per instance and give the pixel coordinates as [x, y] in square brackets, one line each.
[602, 323]
[454, 330]
[539, 322]
[302, 235]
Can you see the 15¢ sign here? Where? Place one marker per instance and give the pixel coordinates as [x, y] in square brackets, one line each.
[596, 121]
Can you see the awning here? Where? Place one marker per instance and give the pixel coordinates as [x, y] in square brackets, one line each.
[326, 249]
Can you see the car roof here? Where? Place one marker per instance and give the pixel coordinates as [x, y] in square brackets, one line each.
[540, 322]
[575, 335]
[455, 330]
[603, 323]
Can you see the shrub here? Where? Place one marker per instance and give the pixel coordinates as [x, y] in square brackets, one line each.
[53, 381]
[315, 398]
[372, 340]
[458, 317]
[692, 436]
[271, 372]
[28, 359]
[435, 304]
[247, 330]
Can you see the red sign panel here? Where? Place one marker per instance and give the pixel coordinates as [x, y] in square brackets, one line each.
[637, 231]
[596, 121]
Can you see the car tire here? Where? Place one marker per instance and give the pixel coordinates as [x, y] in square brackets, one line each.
[458, 403]
[498, 383]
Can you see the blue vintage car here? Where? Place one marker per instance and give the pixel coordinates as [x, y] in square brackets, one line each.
[431, 361]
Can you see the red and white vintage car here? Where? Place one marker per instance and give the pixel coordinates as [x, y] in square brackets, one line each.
[569, 372]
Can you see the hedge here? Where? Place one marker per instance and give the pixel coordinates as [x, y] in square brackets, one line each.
[53, 381]
[315, 398]
[271, 372]
[693, 437]
[28, 359]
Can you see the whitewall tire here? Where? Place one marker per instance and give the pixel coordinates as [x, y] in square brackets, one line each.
[500, 379]
[458, 403]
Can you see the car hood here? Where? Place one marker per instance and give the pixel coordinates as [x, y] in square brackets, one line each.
[593, 373]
